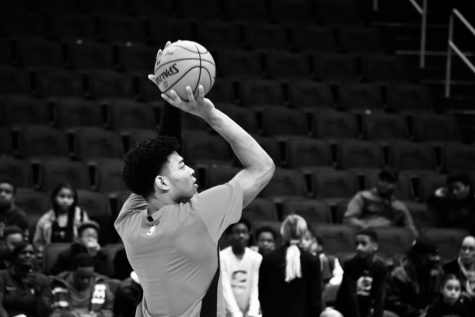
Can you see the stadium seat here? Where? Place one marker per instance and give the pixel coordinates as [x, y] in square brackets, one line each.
[56, 82]
[122, 29]
[166, 29]
[192, 122]
[333, 186]
[283, 11]
[359, 40]
[289, 66]
[217, 175]
[15, 171]
[384, 69]
[340, 210]
[272, 147]
[38, 52]
[88, 55]
[280, 121]
[34, 203]
[260, 209]
[5, 52]
[110, 84]
[404, 189]
[51, 253]
[421, 215]
[134, 136]
[416, 157]
[240, 10]
[255, 92]
[117, 200]
[335, 68]
[285, 183]
[130, 114]
[96, 204]
[223, 91]
[457, 157]
[359, 155]
[245, 117]
[261, 35]
[23, 24]
[307, 154]
[73, 27]
[406, 97]
[77, 112]
[136, 58]
[59, 6]
[38, 140]
[333, 12]
[204, 148]
[360, 96]
[448, 240]
[14, 80]
[202, 10]
[337, 239]
[218, 34]
[314, 211]
[163, 8]
[96, 143]
[51, 172]
[435, 127]
[331, 124]
[384, 127]
[235, 63]
[6, 146]
[428, 184]
[21, 109]
[111, 250]
[306, 94]
[108, 175]
[394, 242]
[116, 6]
[308, 37]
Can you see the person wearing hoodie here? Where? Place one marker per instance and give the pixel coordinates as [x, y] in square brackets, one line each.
[81, 292]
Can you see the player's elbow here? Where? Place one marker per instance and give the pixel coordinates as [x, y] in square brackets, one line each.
[268, 170]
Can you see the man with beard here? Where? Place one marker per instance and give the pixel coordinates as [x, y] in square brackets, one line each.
[240, 271]
[378, 207]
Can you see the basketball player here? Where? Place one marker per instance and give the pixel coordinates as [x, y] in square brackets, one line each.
[170, 231]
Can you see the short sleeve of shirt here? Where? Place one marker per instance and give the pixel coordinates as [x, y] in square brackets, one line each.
[219, 207]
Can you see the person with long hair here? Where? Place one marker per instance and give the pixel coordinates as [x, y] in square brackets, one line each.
[60, 223]
[290, 281]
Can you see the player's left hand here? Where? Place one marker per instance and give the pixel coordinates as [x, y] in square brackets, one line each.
[200, 106]
[152, 77]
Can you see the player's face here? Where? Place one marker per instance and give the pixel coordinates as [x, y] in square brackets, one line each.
[240, 235]
[451, 291]
[6, 194]
[364, 246]
[467, 251]
[265, 242]
[181, 177]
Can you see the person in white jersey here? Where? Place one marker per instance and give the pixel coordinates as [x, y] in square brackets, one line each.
[169, 230]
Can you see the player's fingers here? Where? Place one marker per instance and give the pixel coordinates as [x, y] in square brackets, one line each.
[201, 93]
[152, 78]
[174, 96]
[168, 43]
[189, 93]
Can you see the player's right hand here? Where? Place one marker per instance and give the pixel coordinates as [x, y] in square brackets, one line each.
[201, 106]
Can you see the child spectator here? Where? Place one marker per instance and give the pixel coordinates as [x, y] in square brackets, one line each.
[450, 301]
[266, 238]
[464, 265]
[61, 222]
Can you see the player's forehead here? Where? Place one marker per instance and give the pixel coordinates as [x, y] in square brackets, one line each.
[174, 158]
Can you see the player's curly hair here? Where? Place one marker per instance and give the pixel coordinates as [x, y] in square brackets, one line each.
[145, 161]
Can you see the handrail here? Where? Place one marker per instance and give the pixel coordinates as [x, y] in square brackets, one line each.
[452, 47]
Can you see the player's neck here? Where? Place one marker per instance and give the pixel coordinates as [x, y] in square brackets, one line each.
[157, 202]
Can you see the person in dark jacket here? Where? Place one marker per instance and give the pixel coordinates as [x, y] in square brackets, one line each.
[450, 301]
[12, 236]
[11, 214]
[128, 296]
[87, 242]
[361, 293]
[413, 285]
[290, 282]
[463, 266]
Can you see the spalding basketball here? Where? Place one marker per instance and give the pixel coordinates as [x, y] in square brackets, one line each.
[185, 63]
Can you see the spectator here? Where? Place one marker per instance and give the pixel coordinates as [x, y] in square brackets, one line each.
[361, 293]
[12, 236]
[378, 207]
[23, 289]
[454, 204]
[290, 282]
[463, 266]
[450, 301]
[81, 292]
[60, 223]
[87, 242]
[239, 273]
[413, 285]
[128, 296]
[10, 214]
[266, 237]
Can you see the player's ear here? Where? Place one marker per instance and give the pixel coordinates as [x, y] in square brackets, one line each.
[162, 183]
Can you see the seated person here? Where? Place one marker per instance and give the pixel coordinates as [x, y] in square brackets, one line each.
[413, 285]
[23, 289]
[361, 293]
[86, 242]
[81, 292]
[128, 296]
[266, 237]
[454, 204]
[11, 214]
[12, 236]
[450, 301]
[377, 207]
[463, 266]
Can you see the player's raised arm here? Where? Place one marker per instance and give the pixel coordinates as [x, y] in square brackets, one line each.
[258, 165]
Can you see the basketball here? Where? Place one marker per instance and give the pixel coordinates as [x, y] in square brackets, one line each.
[185, 63]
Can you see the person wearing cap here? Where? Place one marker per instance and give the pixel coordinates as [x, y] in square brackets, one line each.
[86, 242]
[81, 292]
[453, 205]
[378, 207]
[413, 285]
